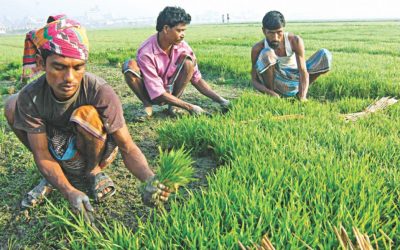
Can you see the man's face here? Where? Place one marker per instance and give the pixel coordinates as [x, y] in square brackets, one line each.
[274, 37]
[64, 75]
[176, 34]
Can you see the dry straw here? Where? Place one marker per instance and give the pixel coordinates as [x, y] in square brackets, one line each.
[378, 105]
[265, 245]
[361, 242]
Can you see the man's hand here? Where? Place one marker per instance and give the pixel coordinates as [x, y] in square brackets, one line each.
[225, 105]
[197, 110]
[154, 192]
[80, 203]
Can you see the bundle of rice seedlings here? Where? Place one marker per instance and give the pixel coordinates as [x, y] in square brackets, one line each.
[175, 168]
[381, 104]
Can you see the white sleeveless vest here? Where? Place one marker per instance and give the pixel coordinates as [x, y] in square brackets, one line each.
[288, 61]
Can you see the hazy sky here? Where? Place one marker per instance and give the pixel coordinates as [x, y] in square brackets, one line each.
[252, 10]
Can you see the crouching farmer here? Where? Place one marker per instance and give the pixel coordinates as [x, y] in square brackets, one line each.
[165, 65]
[279, 67]
[72, 121]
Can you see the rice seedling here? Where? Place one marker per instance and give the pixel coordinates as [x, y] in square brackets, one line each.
[82, 234]
[289, 169]
[175, 168]
[293, 173]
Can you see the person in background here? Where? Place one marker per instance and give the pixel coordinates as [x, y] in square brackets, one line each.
[165, 64]
[278, 62]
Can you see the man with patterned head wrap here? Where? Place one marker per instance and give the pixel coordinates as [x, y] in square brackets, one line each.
[63, 37]
[72, 121]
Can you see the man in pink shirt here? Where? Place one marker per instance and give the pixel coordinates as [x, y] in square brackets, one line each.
[165, 65]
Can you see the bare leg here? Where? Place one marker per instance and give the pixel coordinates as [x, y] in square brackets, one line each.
[91, 149]
[137, 86]
[183, 78]
[313, 77]
[268, 78]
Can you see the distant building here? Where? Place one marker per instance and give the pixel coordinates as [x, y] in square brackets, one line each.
[2, 29]
[30, 23]
[94, 14]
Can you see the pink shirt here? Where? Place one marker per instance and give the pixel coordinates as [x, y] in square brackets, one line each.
[157, 67]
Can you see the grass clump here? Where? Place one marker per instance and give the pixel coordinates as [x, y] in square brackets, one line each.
[10, 71]
[175, 168]
[83, 235]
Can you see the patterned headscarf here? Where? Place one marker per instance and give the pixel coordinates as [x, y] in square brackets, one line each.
[61, 36]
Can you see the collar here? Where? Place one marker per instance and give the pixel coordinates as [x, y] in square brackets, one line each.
[156, 47]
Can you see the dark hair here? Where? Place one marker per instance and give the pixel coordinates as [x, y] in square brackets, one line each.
[172, 16]
[45, 53]
[273, 20]
[50, 19]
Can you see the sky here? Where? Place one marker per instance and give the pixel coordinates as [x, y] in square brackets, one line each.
[201, 10]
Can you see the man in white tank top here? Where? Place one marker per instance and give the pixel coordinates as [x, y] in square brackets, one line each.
[279, 67]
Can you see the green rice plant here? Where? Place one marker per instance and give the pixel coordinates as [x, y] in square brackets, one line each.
[76, 228]
[175, 168]
[120, 236]
[294, 179]
[11, 71]
[119, 56]
[11, 243]
[81, 235]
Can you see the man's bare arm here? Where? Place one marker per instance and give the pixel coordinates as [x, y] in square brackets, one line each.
[51, 170]
[203, 87]
[255, 51]
[133, 157]
[298, 48]
[174, 101]
[137, 164]
[259, 86]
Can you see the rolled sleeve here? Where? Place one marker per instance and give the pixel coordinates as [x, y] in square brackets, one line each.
[152, 81]
[27, 117]
[109, 107]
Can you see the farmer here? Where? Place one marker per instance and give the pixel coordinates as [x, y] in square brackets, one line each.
[278, 62]
[165, 64]
[72, 121]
